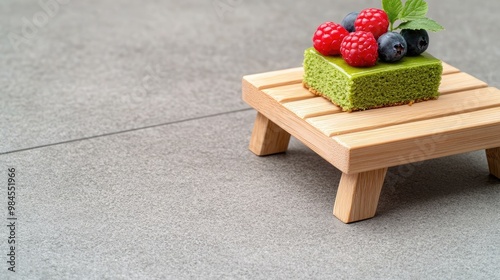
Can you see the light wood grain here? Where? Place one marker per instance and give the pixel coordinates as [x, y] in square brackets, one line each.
[301, 105]
[312, 107]
[459, 82]
[416, 141]
[289, 93]
[448, 69]
[323, 145]
[267, 137]
[493, 157]
[276, 78]
[358, 195]
[460, 102]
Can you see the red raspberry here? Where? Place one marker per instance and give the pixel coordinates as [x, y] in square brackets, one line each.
[328, 37]
[360, 49]
[372, 20]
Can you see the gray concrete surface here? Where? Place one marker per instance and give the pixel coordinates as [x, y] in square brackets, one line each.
[126, 127]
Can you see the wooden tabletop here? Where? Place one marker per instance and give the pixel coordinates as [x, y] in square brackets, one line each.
[466, 117]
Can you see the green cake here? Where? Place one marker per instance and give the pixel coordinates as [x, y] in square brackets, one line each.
[409, 80]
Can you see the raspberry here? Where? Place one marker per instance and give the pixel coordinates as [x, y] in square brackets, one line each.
[360, 49]
[372, 20]
[328, 37]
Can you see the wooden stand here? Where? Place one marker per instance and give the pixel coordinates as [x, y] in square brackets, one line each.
[493, 157]
[358, 194]
[364, 144]
[267, 137]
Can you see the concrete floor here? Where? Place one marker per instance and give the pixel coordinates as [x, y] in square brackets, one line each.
[125, 124]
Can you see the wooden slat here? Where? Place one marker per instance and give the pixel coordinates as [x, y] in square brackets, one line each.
[316, 107]
[289, 93]
[460, 102]
[421, 140]
[459, 82]
[312, 107]
[276, 78]
[448, 69]
[294, 76]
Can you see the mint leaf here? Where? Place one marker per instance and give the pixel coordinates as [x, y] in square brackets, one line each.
[411, 14]
[412, 10]
[421, 23]
[392, 8]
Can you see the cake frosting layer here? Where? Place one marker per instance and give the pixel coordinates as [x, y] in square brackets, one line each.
[412, 79]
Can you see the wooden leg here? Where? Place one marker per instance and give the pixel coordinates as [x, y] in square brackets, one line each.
[358, 194]
[493, 157]
[267, 137]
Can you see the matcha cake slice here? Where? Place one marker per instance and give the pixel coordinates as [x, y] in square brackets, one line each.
[410, 80]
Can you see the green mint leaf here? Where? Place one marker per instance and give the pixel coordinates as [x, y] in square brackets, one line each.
[421, 23]
[392, 8]
[413, 9]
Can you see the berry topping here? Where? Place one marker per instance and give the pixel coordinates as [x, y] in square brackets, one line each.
[348, 21]
[359, 49]
[417, 40]
[372, 20]
[328, 37]
[391, 47]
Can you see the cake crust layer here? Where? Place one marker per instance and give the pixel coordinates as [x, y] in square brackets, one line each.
[406, 102]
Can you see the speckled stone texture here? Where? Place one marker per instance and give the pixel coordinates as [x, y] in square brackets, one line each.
[125, 123]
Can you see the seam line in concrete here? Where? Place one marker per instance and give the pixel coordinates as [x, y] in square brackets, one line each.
[125, 131]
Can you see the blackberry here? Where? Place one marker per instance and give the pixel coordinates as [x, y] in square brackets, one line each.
[391, 47]
[417, 40]
[348, 21]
